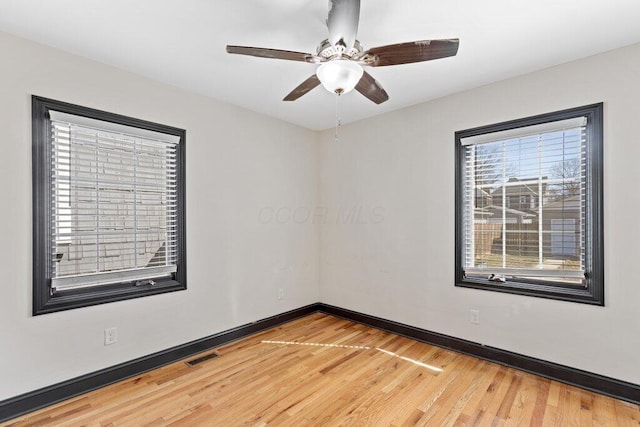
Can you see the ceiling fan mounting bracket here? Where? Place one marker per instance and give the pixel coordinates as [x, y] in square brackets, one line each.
[328, 51]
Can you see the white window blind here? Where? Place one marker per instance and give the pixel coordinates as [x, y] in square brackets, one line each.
[114, 203]
[524, 202]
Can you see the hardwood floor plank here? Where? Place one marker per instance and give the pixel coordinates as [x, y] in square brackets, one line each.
[524, 403]
[603, 412]
[497, 392]
[323, 370]
[627, 413]
[484, 377]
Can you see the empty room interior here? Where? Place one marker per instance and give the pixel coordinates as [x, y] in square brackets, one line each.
[298, 213]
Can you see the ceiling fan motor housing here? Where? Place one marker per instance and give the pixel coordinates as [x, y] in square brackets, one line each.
[328, 51]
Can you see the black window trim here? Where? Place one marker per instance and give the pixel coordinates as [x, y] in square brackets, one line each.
[44, 300]
[594, 239]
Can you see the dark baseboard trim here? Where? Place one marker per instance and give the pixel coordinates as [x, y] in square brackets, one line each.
[46, 396]
[37, 399]
[593, 382]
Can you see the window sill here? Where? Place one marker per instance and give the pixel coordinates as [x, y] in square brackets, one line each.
[67, 300]
[568, 293]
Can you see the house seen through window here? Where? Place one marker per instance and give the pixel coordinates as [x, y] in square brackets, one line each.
[527, 206]
[111, 225]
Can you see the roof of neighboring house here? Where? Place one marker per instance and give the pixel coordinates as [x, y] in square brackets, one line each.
[482, 212]
[569, 204]
[482, 193]
[511, 211]
[521, 189]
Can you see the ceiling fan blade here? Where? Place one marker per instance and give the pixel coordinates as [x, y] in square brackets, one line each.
[304, 88]
[369, 87]
[406, 53]
[342, 22]
[273, 53]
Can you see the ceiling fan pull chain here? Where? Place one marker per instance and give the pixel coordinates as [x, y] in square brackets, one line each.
[338, 124]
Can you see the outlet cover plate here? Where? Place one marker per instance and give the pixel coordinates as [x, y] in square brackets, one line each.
[110, 336]
[474, 317]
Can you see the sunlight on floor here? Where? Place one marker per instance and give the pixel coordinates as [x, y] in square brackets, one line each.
[317, 344]
[358, 347]
[424, 365]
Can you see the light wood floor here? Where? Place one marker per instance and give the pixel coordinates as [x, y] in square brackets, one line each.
[321, 370]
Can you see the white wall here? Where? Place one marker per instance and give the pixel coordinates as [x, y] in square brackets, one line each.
[238, 163]
[365, 224]
[396, 260]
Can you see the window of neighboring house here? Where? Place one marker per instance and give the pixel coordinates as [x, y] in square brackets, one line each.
[554, 249]
[109, 201]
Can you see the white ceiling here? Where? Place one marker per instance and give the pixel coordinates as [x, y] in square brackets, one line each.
[183, 43]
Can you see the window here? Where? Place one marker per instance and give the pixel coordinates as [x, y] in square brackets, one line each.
[108, 207]
[529, 206]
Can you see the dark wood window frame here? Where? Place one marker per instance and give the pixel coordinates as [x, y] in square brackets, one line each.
[593, 293]
[44, 299]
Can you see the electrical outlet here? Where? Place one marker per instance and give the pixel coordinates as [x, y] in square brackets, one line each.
[110, 336]
[474, 316]
[281, 293]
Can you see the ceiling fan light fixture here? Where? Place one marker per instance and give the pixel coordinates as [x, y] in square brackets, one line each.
[339, 75]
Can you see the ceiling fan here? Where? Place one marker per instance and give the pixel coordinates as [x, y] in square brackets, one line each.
[341, 56]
